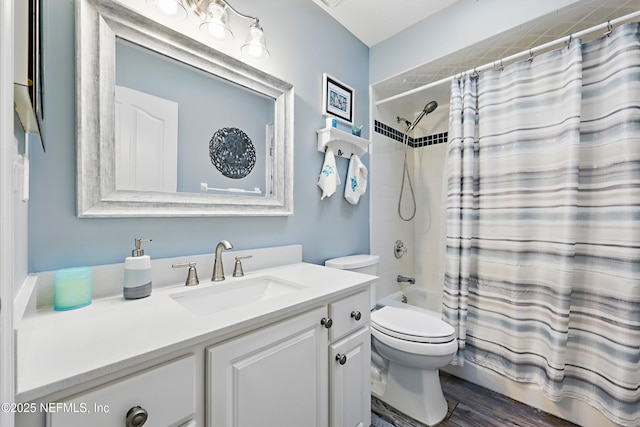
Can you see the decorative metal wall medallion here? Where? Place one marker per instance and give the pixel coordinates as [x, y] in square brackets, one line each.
[232, 152]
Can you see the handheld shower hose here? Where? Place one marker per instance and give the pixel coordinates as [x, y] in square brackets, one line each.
[429, 108]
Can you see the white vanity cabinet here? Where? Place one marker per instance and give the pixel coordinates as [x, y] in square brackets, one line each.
[310, 370]
[164, 396]
[301, 359]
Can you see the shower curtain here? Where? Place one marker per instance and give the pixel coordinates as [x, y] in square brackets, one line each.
[542, 278]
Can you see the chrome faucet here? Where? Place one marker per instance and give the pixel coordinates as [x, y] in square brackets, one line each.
[410, 280]
[218, 271]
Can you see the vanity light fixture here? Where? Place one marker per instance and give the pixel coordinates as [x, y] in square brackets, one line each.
[215, 17]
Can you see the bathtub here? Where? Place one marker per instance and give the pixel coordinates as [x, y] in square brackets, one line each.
[415, 296]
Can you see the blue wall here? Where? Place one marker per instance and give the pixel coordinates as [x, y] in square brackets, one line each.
[304, 43]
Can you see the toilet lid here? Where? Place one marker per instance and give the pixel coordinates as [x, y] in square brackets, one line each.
[411, 325]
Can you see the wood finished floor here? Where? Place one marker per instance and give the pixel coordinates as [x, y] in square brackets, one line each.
[471, 406]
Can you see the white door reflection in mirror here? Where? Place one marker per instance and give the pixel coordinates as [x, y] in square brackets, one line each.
[146, 141]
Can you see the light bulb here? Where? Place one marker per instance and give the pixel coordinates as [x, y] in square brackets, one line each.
[168, 7]
[216, 31]
[172, 8]
[254, 50]
[216, 24]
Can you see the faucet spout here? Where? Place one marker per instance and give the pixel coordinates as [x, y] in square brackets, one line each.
[409, 280]
[218, 270]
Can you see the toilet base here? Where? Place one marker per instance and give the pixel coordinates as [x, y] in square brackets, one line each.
[414, 392]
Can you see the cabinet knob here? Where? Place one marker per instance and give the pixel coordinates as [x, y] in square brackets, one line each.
[341, 358]
[137, 416]
[356, 315]
[326, 322]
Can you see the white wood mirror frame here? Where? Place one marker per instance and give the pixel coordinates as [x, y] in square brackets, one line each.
[98, 23]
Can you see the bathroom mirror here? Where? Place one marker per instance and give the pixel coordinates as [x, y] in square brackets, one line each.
[108, 33]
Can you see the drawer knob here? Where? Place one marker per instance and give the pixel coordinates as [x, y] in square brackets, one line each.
[326, 322]
[356, 315]
[136, 417]
[341, 358]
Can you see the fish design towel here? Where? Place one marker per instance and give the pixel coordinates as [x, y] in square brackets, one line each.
[356, 180]
[329, 179]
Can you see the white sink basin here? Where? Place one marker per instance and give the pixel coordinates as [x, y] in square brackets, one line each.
[235, 294]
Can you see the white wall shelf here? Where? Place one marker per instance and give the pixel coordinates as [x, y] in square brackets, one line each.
[342, 143]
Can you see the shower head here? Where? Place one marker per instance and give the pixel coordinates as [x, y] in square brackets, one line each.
[429, 108]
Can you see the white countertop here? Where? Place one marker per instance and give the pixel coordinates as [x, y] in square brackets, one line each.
[57, 350]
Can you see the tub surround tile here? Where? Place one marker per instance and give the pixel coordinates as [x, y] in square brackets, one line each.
[399, 136]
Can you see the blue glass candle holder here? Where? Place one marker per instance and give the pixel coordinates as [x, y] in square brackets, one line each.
[71, 288]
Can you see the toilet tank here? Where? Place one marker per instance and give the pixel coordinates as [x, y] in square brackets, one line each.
[367, 264]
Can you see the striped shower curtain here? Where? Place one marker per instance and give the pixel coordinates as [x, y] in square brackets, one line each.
[461, 172]
[542, 275]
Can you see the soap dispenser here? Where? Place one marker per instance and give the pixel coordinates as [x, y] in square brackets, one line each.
[137, 273]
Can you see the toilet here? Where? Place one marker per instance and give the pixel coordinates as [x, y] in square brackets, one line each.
[408, 347]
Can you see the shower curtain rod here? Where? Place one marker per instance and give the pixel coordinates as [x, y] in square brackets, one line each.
[529, 52]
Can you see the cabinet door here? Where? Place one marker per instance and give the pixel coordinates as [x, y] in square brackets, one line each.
[350, 383]
[276, 376]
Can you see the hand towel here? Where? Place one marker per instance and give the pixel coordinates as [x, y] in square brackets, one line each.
[329, 179]
[356, 180]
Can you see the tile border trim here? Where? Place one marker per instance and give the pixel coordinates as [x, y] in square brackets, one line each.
[397, 135]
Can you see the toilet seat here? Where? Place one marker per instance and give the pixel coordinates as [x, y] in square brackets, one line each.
[412, 325]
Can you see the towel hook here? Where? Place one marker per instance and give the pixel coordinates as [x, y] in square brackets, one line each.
[339, 150]
[530, 55]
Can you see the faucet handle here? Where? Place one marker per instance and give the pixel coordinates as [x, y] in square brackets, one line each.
[237, 268]
[192, 274]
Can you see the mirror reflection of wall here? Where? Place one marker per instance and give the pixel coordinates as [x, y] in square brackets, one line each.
[203, 105]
